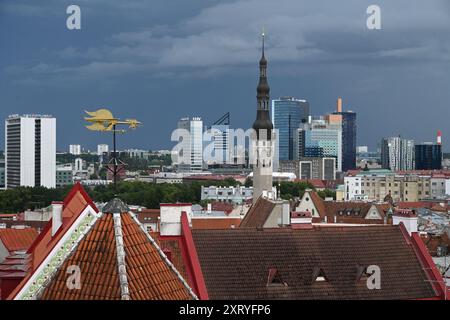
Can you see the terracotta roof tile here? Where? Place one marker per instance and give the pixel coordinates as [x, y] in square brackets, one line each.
[149, 276]
[216, 223]
[258, 213]
[18, 239]
[236, 263]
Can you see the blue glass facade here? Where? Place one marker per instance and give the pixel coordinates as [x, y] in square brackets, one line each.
[288, 114]
[348, 140]
[428, 156]
[320, 139]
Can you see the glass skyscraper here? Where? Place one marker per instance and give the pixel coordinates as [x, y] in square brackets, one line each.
[319, 138]
[428, 156]
[348, 139]
[288, 114]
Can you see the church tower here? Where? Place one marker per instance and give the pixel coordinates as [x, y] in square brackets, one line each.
[263, 134]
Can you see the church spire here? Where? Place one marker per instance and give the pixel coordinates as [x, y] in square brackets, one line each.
[263, 95]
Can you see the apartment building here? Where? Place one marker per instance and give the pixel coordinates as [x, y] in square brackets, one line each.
[378, 185]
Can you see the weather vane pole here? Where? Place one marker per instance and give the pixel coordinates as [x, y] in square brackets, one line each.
[103, 120]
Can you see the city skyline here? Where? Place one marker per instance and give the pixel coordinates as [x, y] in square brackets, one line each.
[206, 67]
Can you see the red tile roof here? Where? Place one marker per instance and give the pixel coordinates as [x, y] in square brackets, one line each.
[236, 263]
[222, 206]
[147, 270]
[148, 274]
[215, 223]
[341, 209]
[413, 205]
[258, 213]
[18, 239]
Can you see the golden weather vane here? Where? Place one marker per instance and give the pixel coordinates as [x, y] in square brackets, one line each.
[103, 120]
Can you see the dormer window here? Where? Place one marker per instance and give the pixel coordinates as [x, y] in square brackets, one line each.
[361, 273]
[274, 279]
[319, 275]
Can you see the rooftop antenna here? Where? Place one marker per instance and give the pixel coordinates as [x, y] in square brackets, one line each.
[102, 120]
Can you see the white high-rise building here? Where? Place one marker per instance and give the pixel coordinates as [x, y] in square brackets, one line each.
[102, 148]
[397, 154]
[75, 149]
[193, 146]
[30, 151]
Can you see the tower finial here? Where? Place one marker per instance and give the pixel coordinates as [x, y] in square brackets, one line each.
[263, 35]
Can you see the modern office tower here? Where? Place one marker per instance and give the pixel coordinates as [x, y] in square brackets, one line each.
[397, 154]
[75, 149]
[220, 134]
[220, 137]
[348, 120]
[30, 155]
[428, 156]
[193, 146]
[317, 168]
[319, 138]
[311, 168]
[102, 148]
[262, 141]
[288, 114]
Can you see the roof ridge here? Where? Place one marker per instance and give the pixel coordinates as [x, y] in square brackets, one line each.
[120, 251]
[163, 255]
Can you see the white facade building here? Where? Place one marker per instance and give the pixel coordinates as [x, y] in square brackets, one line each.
[353, 188]
[192, 148]
[397, 154]
[171, 217]
[102, 148]
[30, 155]
[75, 149]
[228, 194]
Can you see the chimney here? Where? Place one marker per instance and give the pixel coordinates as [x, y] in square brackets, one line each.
[339, 104]
[407, 217]
[439, 137]
[57, 208]
[285, 216]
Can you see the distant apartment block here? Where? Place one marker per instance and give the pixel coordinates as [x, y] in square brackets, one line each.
[30, 155]
[102, 148]
[397, 154]
[75, 149]
[385, 185]
[311, 168]
[64, 176]
[236, 195]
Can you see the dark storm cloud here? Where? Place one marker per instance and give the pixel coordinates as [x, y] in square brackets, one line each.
[162, 60]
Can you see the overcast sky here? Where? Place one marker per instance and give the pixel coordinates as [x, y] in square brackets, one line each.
[160, 60]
